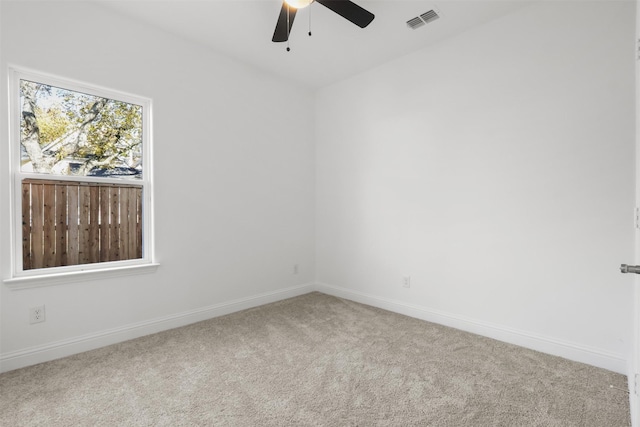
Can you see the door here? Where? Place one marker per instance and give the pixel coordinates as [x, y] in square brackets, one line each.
[634, 377]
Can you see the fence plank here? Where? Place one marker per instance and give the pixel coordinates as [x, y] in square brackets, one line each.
[73, 225]
[61, 225]
[138, 223]
[49, 227]
[84, 209]
[132, 242]
[104, 224]
[26, 226]
[114, 221]
[94, 225]
[37, 223]
[125, 204]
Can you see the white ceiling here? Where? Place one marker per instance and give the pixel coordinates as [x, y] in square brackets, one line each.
[242, 29]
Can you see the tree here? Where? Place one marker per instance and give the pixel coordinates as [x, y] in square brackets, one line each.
[53, 124]
[59, 124]
[29, 130]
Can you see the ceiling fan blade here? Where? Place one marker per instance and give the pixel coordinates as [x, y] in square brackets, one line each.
[349, 10]
[281, 33]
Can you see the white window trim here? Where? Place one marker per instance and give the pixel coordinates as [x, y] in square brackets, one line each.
[21, 279]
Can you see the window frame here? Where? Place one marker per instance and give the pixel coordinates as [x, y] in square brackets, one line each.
[62, 274]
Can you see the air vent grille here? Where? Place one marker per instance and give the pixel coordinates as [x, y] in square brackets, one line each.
[415, 22]
[424, 18]
[429, 16]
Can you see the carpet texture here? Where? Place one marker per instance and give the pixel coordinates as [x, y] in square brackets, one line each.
[313, 360]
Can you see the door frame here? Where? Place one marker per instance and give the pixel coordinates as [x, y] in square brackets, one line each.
[634, 368]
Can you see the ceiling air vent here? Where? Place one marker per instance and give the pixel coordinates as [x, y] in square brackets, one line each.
[415, 22]
[424, 18]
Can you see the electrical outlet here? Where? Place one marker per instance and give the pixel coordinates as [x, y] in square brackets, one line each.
[36, 314]
[295, 269]
[406, 281]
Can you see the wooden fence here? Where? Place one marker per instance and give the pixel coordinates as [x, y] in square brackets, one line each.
[71, 223]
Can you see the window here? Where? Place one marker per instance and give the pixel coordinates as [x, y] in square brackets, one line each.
[82, 176]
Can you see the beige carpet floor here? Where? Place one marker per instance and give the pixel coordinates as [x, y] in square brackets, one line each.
[313, 360]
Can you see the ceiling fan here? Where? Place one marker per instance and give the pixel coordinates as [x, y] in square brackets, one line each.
[345, 8]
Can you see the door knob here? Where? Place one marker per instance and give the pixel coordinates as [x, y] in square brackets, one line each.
[624, 268]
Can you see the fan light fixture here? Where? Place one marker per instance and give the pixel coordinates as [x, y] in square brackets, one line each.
[345, 8]
[298, 4]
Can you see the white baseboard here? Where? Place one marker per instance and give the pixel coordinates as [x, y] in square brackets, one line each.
[56, 350]
[63, 348]
[568, 350]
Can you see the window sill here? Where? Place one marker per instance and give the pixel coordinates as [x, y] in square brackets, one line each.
[28, 282]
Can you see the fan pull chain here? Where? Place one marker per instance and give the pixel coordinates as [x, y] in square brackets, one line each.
[288, 26]
[309, 22]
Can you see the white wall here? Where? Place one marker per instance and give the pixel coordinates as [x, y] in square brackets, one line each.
[233, 182]
[497, 170]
